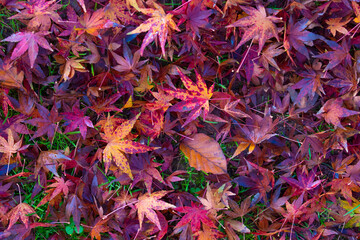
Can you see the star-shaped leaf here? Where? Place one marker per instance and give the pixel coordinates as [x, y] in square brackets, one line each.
[333, 110]
[335, 25]
[22, 212]
[39, 13]
[340, 54]
[148, 203]
[76, 118]
[28, 41]
[257, 26]
[158, 25]
[195, 99]
[117, 146]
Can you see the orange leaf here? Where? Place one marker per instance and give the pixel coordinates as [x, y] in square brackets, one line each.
[117, 147]
[158, 25]
[150, 202]
[204, 154]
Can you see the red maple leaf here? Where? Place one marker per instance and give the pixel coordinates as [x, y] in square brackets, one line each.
[195, 216]
[195, 99]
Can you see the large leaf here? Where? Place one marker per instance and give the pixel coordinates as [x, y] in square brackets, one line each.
[195, 99]
[28, 41]
[22, 211]
[117, 147]
[150, 202]
[204, 154]
[158, 25]
[257, 26]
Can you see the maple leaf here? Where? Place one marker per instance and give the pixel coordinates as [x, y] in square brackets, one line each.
[232, 224]
[194, 99]
[162, 101]
[297, 36]
[216, 199]
[339, 138]
[117, 146]
[230, 108]
[158, 25]
[267, 56]
[9, 147]
[105, 104]
[257, 26]
[256, 130]
[145, 171]
[76, 118]
[57, 188]
[28, 41]
[39, 13]
[100, 227]
[195, 18]
[195, 216]
[129, 62]
[92, 24]
[335, 25]
[21, 211]
[46, 122]
[146, 205]
[204, 153]
[340, 54]
[260, 180]
[332, 111]
[345, 79]
[305, 182]
[69, 66]
[311, 82]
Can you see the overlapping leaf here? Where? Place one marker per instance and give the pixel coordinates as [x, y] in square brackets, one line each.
[158, 25]
[195, 99]
[257, 26]
[117, 145]
[28, 41]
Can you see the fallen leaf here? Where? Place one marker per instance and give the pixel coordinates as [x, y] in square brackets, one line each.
[22, 212]
[148, 203]
[204, 154]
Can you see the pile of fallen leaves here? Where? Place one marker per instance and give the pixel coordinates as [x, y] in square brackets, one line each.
[200, 119]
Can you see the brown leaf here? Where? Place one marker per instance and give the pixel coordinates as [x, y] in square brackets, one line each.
[204, 154]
